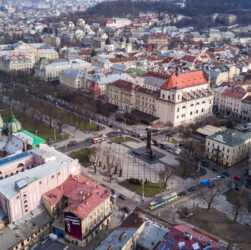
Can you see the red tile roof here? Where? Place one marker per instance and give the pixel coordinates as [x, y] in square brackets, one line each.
[94, 87]
[124, 85]
[188, 58]
[85, 194]
[87, 52]
[234, 93]
[247, 99]
[157, 75]
[177, 234]
[147, 91]
[185, 80]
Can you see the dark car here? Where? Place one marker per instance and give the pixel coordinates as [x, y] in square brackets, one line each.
[224, 174]
[122, 197]
[127, 210]
[211, 185]
[163, 146]
[112, 199]
[71, 143]
[182, 193]
[113, 191]
[191, 189]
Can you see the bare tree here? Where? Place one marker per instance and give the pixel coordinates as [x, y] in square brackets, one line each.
[111, 161]
[59, 120]
[165, 174]
[239, 200]
[96, 157]
[210, 193]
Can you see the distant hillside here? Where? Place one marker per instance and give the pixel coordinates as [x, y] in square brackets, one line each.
[194, 8]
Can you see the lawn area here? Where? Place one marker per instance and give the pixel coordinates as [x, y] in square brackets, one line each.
[150, 188]
[83, 155]
[244, 194]
[136, 71]
[172, 140]
[219, 224]
[187, 169]
[31, 125]
[122, 139]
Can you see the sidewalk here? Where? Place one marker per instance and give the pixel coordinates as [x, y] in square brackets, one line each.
[113, 185]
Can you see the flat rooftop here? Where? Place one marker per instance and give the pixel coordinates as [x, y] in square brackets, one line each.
[54, 162]
[27, 225]
[118, 238]
[12, 158]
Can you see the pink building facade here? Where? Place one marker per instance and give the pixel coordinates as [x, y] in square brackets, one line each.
[16, 201]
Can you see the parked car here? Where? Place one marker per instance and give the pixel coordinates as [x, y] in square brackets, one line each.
[191, 189]
[182, 193]
[237, 178]
[204, 182]
[113, 193]
[122, 197]
[211, 185]
[224, 174]
[71, 143]
[127, 210]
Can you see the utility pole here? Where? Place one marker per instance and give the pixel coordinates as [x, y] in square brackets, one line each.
[55, 137]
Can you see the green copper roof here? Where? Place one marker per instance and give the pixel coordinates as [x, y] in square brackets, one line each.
[230, 137]
[37, 140]
[14, 125]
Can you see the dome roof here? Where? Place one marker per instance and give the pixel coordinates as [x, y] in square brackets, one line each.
[1, 122]
[128, 40]
[14, 125]
[108, 41]
[122, 39]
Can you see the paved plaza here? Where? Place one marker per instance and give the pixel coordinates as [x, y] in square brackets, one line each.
[137, 168]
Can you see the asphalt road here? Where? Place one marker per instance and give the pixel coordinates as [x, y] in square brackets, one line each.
[74, 147]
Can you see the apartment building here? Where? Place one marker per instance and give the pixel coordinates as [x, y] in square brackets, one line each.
[228, 147]
[51, 71]
[234, 102]
[16, 63]
[122, 94]
[246, 109]
[128, 96]
[184, 98]
[145, 100]
[156, 38]
[22, 57]
[85, 205]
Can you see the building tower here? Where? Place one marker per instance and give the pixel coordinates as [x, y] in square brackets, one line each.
[94, 90]
[128, 46]
[14, 125]
[122, 43]
[109, 45]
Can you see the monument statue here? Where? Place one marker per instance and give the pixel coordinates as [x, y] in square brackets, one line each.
[149, 150]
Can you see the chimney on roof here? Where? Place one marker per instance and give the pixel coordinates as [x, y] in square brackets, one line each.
[25, 146]
[110, 247]
[122, 236]
[177, 71]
